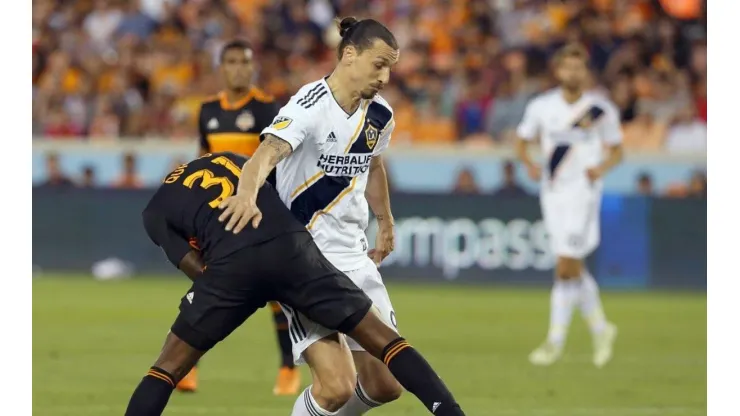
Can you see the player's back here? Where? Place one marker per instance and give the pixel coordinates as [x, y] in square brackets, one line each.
[188, 201]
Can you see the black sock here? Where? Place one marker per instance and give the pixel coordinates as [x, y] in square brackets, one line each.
[417, 376]
[151, 396]
[283, 336]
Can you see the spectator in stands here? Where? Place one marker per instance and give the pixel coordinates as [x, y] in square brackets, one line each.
[465, 183]
[467, 67]
[129, 179]
[88, 179]
[698, 185]
[510, 187]
[688, 133]
[644, 184]
[55, 177]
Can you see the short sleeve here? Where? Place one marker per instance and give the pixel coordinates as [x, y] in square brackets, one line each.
[529, 127]
[385, 137]
[293, 123]
[174, 245]
[611, 127]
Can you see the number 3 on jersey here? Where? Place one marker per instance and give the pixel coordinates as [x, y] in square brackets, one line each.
[208, 179]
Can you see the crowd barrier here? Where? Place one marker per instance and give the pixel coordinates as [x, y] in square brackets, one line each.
[646, 242]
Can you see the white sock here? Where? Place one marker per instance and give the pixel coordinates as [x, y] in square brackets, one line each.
[359, 404]
[305, 405]
[563, 299]
[590, 303]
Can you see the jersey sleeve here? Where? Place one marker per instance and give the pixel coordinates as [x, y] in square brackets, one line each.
[202, 131]
[293, 123]
[385, 137]
[174, 245]
[611, 126]
[529, 127]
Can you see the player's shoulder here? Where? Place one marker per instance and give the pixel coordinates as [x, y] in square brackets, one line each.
[261, 96]
[601, 99]
[211, 102]
[380, 111]
[380, 101]
[545, 97]
[311, 97]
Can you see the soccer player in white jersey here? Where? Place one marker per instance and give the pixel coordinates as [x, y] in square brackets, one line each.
[326, 145]
[581, 138]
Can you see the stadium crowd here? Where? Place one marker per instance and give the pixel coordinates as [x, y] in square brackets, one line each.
[140, 68]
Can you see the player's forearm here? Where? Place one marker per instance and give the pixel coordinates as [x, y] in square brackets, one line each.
[521, 152]
[616, 154]
[377, 192]
[269, 153]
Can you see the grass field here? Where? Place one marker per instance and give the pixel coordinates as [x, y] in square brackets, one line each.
[93, 341]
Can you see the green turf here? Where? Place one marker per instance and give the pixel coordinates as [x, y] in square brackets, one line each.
[93, 341]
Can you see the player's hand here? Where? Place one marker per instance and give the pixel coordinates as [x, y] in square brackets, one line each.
[384, 242]
[534, 172]
[239, 209]
[594, 174]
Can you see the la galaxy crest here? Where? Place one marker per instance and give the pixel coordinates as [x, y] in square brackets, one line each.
[371, 136]
[245, 121]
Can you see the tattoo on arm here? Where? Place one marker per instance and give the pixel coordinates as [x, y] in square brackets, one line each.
[279, 148]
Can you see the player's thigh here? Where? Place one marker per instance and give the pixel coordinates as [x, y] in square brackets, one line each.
[310, 285]
[332, 367]
[570, 220]
[368, 278]
[215, 305]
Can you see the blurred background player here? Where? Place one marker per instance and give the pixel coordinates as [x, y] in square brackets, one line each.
[574, 126]
[327, 144]
[232, 121]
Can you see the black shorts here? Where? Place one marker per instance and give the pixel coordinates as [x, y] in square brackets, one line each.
[289, 269]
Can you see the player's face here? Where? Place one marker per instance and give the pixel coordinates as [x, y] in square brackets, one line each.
[237, 68]
[572, 72]
[372, 69]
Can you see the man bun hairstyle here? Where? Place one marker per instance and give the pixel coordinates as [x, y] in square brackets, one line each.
[362, 33]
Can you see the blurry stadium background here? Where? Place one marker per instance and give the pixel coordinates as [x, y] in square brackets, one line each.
[116, 90]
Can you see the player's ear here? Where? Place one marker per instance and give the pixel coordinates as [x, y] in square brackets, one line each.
[350, 54]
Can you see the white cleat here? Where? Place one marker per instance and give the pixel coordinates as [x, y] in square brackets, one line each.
[546, 354]
[604, 345]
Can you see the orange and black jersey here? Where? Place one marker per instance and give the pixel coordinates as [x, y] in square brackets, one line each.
[183, 213]
[235, 127]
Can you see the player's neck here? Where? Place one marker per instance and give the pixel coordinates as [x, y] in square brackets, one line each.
[236, 94]
[346, 98]
[572, 95]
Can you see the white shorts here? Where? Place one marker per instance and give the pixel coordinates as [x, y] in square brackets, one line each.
[306, 332]
[572, 221]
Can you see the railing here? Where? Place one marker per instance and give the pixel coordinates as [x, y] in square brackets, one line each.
[428, 168]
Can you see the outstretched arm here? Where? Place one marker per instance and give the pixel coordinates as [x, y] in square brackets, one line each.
[269, 153]
[242, 208]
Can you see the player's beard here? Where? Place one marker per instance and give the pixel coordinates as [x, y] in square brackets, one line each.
[572, 86]
[368, 94]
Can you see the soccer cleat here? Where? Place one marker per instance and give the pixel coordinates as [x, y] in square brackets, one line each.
[545, 354]
[190, 382]
[288, 382]
[603, 345]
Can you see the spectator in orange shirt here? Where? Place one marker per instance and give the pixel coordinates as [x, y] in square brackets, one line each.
[129, 179]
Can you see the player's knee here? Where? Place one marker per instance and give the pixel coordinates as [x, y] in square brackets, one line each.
[383, 390]
[334, 392]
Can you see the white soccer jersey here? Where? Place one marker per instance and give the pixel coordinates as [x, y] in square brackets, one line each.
[323, 181]
[572, 135]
